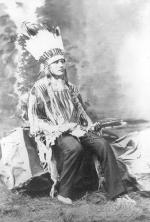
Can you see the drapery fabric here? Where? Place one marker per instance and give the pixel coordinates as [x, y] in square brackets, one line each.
[133, 151]
[19, 161]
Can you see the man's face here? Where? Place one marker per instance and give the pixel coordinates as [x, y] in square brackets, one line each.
[58, 67]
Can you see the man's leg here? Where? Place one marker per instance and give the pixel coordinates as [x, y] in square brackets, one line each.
[69, 155]
[99, 146]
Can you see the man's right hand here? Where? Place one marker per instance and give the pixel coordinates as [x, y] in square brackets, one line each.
[48, 128]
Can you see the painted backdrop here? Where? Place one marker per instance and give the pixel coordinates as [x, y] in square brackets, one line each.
[107, 48]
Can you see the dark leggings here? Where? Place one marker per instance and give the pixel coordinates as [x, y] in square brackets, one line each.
[69, 153]
[102, 149]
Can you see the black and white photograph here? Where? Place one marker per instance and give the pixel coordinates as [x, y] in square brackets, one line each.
[74, 111]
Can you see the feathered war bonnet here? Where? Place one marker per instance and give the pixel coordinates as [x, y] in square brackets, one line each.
[42, 42]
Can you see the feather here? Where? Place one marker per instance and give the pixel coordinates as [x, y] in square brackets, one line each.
[41, 41]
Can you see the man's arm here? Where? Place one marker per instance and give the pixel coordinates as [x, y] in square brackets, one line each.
[37, 124]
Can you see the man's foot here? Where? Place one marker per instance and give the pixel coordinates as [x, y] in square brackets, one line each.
[125, 199]
[64, 200]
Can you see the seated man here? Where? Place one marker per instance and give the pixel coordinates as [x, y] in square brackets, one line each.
[59, 122]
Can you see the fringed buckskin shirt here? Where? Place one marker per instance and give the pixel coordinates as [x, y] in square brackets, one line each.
[55, 108]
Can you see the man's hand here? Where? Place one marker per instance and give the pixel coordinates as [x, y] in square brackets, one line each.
[48, 128]
[95, 127]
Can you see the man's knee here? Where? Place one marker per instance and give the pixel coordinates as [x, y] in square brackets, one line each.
[71, 144]
[105, 148]
[100, 145]
[105, 145]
